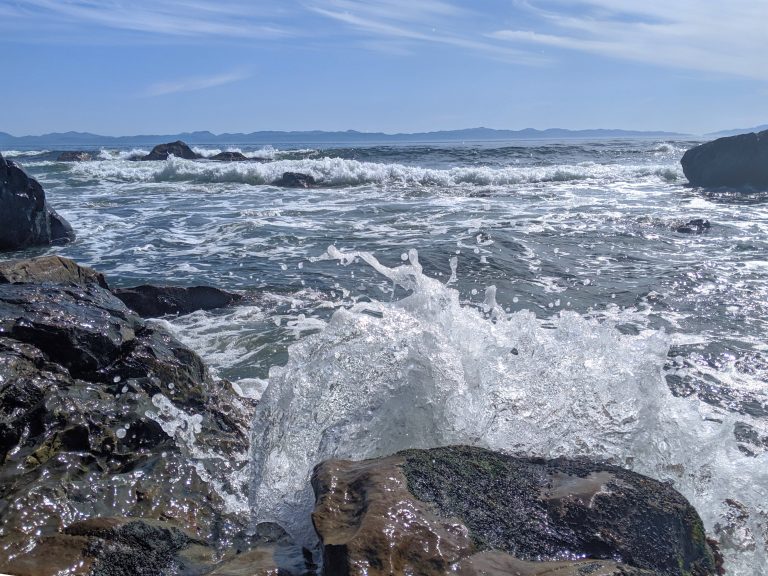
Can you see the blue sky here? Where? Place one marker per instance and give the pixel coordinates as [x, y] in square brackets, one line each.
[163, 66]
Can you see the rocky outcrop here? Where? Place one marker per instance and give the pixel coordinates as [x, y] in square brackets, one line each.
[295, 180]
[49, 269]
[26, 219]
[178, 149]
[229, 157]
[735, 161]
[75, 156]
[472, 511]
[151, 301]
[103, 415]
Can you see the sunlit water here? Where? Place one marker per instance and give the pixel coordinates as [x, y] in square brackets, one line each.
[533, 297]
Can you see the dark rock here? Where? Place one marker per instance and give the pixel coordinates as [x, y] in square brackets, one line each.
[732, 161]
[295, 180]
[151, 301]
[75, 156]
[475, 511]
[26, 219]
[53, 269]
[178, 149]
[229, 157]
[102, 415]
[695, 226]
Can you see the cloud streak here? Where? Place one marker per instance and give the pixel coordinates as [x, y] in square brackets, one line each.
[194, 84]
[706, 35]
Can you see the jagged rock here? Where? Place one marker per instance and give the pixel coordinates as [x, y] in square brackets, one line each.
[229, 157]
[178, 149]
[26, 219]
[695, 226]
[473, 511]
[54, 269]
[103, 415]
[732, 161]
[75, 156]
[295, 180]
[151, 301]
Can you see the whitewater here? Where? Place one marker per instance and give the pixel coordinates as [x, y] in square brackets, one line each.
[545, 298]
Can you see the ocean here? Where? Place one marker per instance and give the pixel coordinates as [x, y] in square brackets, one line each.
[547, 297]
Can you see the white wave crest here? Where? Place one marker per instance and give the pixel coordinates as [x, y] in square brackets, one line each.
[426, 371]
[22, 153]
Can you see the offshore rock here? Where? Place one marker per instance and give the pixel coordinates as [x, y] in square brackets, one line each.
[733, 161]
[695, 226]
[26, 219]
[472, 511]
[102, 415]
[295, 180]
[151, 301]
[178, 149]
[75, 156]
[229, 157]
[54, 269]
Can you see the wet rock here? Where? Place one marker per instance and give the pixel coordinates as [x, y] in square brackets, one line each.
[102, 415]
[49, 269]
[229, 157]
[26, 219]
[295, 180]
[75, 156]
[151, 301]
[473, 511]
[178, 149]
[732, 161]
[695, 226]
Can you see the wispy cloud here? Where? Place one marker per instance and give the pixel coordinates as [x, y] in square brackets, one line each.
[192, 84]
[710, 35]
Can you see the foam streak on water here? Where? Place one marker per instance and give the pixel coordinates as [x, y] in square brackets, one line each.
[426, 371]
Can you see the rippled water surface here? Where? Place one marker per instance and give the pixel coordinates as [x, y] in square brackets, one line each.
[638, 339]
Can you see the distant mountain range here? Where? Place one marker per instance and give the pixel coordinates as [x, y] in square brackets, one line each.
[736, 131]
[85, 139]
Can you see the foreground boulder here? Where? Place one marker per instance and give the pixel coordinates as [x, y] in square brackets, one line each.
[295, 180]
[733, 161]
[178, 149]
[463, 510]
[54, 269]
[26, 219]
[103, 415]
[75, 156]
[151, 301]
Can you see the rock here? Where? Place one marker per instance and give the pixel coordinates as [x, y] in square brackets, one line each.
[103, 415]
[473, 511]
[53, 269]
[295, 180]
[695, 226]
[151, 301]
[229, 157]
[26, 219]
[732, 161]
[75, 156]
[178, 149]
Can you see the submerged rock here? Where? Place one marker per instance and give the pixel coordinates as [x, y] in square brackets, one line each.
[695, 226]
[295, 180]
[178, 149]
[26, 219]
[75, 156]
[472, 511]
[732, 161]
[54, 269]
[103, 415]
[151, 301]
[229, 157]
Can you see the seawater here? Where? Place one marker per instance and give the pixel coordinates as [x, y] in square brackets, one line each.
[532, 297]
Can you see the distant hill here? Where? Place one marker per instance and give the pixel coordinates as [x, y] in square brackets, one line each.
[736, 131]
[70, 139]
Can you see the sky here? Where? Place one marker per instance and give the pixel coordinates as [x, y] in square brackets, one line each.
[126, 67]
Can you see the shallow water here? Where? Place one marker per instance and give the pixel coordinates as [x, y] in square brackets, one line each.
[635, 341]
